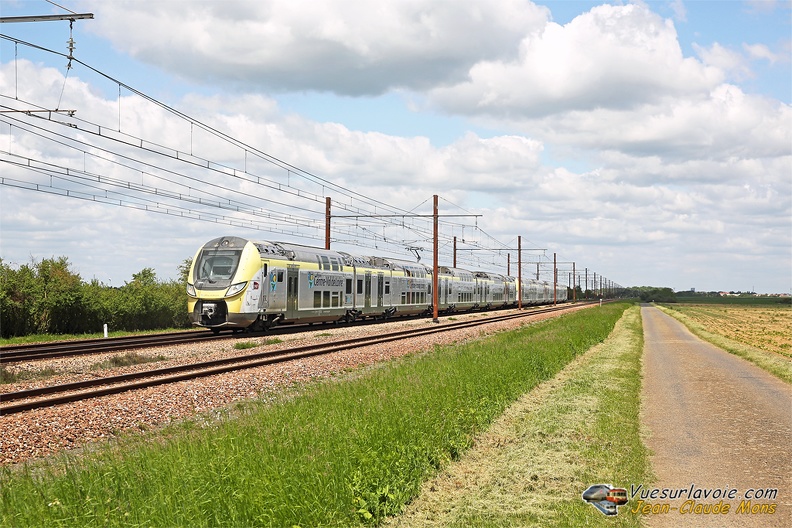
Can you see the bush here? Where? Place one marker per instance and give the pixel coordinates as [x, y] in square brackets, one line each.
[47, 297]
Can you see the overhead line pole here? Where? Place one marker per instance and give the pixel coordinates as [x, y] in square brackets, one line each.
[435, 294]
[327, 222]
[519, 272]
[586, 288]
[574, 287]
[555, 281]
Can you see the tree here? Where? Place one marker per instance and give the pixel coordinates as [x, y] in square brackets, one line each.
[145, 277]
[184, 270]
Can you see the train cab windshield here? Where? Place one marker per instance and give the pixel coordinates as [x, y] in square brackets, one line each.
[217, 266]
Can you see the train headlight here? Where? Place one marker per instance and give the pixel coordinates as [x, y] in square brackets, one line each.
[235, 288]
[191, 290]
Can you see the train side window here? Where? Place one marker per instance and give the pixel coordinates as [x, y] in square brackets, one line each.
[360, 286]
[387, 287]
[325, 263]
[326, 299]
[280, 276]
[317, 299]
[349, 286]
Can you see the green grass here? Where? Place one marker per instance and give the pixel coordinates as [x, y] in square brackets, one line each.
[338, 453]
[614, 452]
[530, 468]
[244, 345]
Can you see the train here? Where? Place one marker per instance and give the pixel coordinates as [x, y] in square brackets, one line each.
[240, 284]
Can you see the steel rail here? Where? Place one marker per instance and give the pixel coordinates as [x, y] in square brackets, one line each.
[65, 393]
[19, 353]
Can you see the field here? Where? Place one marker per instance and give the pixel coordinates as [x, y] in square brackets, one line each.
[749, 300]
[761, 334]
[767, 327]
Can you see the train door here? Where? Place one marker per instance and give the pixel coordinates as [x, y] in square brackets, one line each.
[380, 289]
[375, 295]
[367, 290]
[253, 295]
[444, 291]
[292, 291]
[348, 295]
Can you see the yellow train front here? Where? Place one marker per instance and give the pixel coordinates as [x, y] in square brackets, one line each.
[226, 284]
[236, 284]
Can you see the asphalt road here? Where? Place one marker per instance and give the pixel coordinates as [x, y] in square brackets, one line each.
[715, 422]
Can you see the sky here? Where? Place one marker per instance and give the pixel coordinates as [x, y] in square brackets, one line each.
[647, 142]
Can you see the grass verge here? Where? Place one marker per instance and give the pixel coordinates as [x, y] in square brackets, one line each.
[775, 364]
[532, 466]
[338, 453]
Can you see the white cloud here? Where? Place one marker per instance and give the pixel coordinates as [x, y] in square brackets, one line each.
[343, 46]
[724, 59]
[613, 57]
[679, 10]
[767, 6]
[760, 51]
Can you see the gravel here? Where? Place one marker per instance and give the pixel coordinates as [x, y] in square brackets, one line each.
[42, 432]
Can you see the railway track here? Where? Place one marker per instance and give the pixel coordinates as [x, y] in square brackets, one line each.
[97, 387]
[19, 353]
[39, 351]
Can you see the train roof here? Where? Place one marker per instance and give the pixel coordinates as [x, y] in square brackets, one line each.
[454, 272]
[493, 276]
[300, 252]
